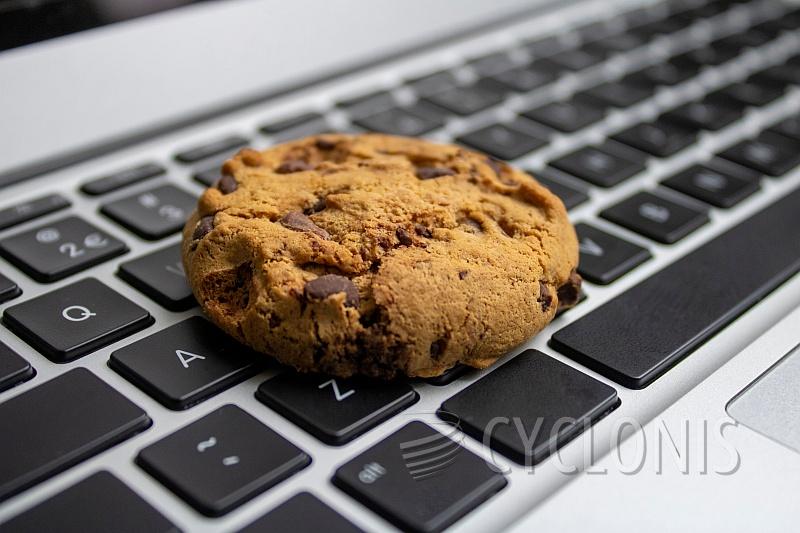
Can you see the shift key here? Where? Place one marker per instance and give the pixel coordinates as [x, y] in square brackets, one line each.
[59, 424]
[636, 337]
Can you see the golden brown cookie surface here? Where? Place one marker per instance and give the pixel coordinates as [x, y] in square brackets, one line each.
[379, 255]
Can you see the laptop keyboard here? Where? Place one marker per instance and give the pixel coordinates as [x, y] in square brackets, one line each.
[634, 93]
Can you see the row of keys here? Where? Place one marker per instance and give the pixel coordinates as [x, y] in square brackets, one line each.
[216, 463]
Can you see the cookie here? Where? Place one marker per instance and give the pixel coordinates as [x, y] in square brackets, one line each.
[379, 255]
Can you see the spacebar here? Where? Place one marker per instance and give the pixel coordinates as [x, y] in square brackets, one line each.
[636, 337]
[60, 423]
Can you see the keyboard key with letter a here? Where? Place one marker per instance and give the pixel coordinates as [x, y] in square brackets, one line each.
[419, 479]
[335, 410]
[222, 460]
[185, 363]
[59, 424]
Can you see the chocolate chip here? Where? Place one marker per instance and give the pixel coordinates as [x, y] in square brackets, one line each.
[403, 236]
[423, 231]
[203, 227]
[569, 293]
[545, 298]
[297, 221]
[325, 144]
[463, 274]
[428, 173]
[329, 284]
[438, 347]
[227, 184]
[293, 165]
[320, 204]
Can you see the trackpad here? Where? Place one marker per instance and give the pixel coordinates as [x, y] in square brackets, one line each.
[771, 404]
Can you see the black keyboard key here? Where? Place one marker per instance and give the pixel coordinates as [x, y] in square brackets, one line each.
[502, 141]
[575, 59]
[214, 148]
[670, 72]
[419, 479]
[25, 211]
[567, 116]
[335, 411]
[525, 78]
[299, 123]
[121, 179]
[618, 94]
[717, 183]
[770, 153]
[470, 99]
[750, 38]
[707, 114]
[100, 502]
[789, 127]
[8, 289]
[186, 363]
[433, 83]
[448, 376]
[604, 257]
[367, 104]
[302, 513]
[538, 393]
[697, 296]
[599, 165]
[660, 138]
[58, 249]
[619, 43]
[545, 47]
[571, 196]
[160, 276]
[410, 121]
[221, 461]
[208, 177]
[59, 424]
[753, 91]
[782, 74]
[76, 319]
[13, 368]
[492, 64]
[658, 218]
[716, 53]
[153, 214]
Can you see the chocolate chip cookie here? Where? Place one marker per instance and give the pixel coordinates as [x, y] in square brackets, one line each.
[379, 255]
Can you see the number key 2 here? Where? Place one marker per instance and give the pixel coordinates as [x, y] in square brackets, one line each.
[58, 249]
